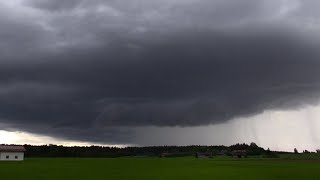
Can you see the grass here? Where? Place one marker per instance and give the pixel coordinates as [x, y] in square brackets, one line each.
[157, 168]
[306, 156]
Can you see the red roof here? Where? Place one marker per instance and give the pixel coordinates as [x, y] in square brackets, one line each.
[7, 148]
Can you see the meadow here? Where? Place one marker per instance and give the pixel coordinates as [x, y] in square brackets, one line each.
[159, 168]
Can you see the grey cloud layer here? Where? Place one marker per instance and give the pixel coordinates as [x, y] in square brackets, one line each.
[93, 70]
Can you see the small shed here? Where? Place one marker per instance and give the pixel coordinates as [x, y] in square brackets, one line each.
[200, 155]
[12, 153]
[165, 154]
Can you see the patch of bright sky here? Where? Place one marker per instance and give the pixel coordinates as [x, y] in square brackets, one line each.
[18, 137]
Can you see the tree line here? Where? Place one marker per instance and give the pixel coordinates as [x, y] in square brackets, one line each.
[151, 151]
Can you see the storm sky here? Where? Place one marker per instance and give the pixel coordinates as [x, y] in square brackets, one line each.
[147, 72]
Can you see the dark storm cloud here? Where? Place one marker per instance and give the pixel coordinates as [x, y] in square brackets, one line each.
[94, 73]
[53, 5]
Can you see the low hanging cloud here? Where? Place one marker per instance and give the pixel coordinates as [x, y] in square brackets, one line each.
[94, 70]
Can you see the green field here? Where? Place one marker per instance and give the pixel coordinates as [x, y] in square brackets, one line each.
[157, 168]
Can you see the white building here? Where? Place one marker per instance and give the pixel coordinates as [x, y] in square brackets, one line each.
[11, 153]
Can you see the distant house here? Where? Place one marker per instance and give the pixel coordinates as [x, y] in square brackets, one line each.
[222, 153]
[11, 153]
[239, 153]
[204, 155]
[165, 154]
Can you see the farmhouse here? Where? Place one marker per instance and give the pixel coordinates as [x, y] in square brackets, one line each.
[11, 153]
[239, 153]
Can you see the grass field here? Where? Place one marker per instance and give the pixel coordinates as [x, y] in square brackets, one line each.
[157, 168]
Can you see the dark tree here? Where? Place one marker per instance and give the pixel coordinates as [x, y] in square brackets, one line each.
[254, 145]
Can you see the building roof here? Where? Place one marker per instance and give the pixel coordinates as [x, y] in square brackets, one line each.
[205, 153]
[12, 148]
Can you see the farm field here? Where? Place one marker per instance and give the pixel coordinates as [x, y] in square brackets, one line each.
[158, 168]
